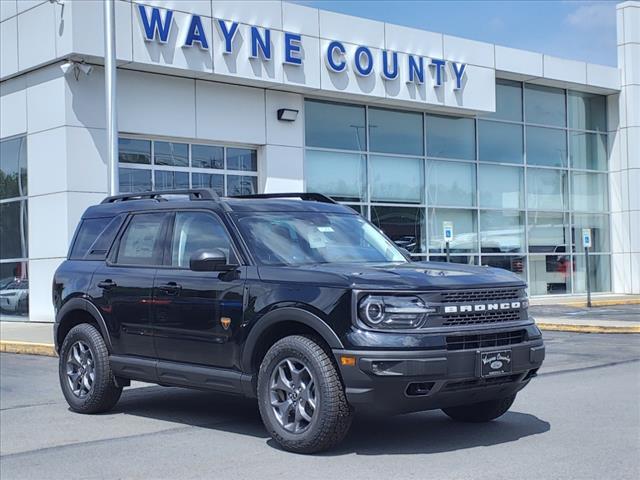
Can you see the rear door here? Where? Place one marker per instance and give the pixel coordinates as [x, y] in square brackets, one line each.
[122, 287]
[196, 314]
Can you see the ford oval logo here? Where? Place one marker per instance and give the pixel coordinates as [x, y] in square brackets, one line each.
[496, 365]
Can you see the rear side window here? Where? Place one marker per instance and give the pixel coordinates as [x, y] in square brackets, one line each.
[141, 242]
[94, 238]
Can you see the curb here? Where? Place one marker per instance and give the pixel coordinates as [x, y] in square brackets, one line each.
[563, 327]
[29, 348]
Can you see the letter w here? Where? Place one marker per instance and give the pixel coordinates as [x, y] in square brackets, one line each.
[155, 25]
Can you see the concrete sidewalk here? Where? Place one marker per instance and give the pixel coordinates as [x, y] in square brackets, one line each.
[27, 337]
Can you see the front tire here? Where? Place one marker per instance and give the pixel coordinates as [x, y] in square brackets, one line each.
[301, 397]
[481, 412]
[86, 378]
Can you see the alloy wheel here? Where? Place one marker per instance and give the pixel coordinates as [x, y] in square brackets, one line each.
[292, 395]
[80, 369]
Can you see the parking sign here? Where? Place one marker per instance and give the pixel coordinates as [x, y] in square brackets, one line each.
[586, 237]
[447, 231]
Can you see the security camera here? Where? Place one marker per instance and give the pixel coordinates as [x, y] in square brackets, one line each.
[65, 67]
[85, 68]
[76, 67]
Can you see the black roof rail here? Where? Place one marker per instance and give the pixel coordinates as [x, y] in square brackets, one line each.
[313, 197]
[193, 193]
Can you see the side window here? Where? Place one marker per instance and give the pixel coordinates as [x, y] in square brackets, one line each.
[141, 243]
[195, 231]
[94, 237]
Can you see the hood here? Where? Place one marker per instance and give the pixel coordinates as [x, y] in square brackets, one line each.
[394, 276]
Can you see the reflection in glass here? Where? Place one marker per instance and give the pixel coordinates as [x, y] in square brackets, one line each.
[589, 191]
[548, 232]
[460, 259]
[171, 153]
[404, 225]
[339, 175]
[501, 187]
[515, 264]
[14, 290]
[134, 151]
[599, 225]
[500, 142]
[242, 159]
[334, 125]
[13, 168]
[207, 156]
[134, 180]
[391, 131]
[508, 101]
[546, 189]
[396, 179]
[599, 271]
[465, 238]
[451, 183]
[169, 180]
[547, 147]
[544, 105]
[451, 137]
[13, 230]
[208, 180]
[501, 232]
[587, 111]
[550, 274]
[241, 185]
[588, 150]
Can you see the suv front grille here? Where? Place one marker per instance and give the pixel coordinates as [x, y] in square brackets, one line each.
[479, 318]
[466, 296]
[473, 342]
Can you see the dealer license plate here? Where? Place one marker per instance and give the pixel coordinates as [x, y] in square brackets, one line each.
[495, 363]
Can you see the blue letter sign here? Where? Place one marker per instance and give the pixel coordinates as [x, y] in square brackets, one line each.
[155, 25]
[196, 33]
[228, 34]
[331, 62]
[292, 42]
[386, 74]
[259, 43]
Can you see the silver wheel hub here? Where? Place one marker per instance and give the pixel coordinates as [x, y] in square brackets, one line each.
[292, 394]
[80, 369]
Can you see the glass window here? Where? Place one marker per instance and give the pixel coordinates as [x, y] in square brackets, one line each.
[544, 105]
[169, 180]
[599, 273]
[550, 274]
[599, 225]
[501, 187]
[451, 183]
[546, 189]
[516, 264]
[587, 111]
[171, 153]
[88, 231]
[134, 151]
[589, 191]
[334, 125]
[460, 259]
[395, 132]
[134, 180]
[141, 243]
[207, 156]
[508, 101]
[548, 232]
[13, 168]
[588, 150]
[451, 137]
[339, 175]
[396, 179]
[465, 232]
[241, 185]
[14, 290]
[195, 231]
[501, 232]
[208, 180]
[404, 225]
[242, 159]
[500, 142]
[13, 230]
[546, 146]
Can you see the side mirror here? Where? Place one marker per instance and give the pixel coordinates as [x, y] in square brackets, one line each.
[209, 261]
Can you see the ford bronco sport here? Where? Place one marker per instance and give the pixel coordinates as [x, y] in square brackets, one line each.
[289, 298]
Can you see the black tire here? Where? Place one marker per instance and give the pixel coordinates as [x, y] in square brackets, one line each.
[331, 419]
[104, 393]
[481, 412]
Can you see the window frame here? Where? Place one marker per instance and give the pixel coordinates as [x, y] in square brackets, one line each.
[114, 252]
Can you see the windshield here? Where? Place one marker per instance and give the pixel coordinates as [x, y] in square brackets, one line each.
[297, 238]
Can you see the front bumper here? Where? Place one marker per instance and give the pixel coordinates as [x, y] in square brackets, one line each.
[396, 381]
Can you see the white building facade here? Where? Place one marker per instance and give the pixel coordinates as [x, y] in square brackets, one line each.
[519, 151]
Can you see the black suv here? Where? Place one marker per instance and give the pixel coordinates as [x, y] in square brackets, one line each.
[290, 298]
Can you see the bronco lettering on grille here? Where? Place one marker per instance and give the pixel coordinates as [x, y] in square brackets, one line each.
[481, 307]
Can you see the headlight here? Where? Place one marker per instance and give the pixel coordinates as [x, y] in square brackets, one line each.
[389, 312]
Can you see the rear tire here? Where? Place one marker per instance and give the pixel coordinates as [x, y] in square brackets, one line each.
[481, 412]
[301, 397]
[85, 374]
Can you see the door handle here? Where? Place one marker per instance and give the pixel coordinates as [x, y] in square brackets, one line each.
[106, 284]
[170, 288]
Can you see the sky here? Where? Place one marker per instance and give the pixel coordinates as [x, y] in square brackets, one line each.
[578, 30]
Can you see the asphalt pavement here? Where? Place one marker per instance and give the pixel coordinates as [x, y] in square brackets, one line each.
[579, 419]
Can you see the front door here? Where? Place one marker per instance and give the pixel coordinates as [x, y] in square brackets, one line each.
[122, 288]
[197, 313]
